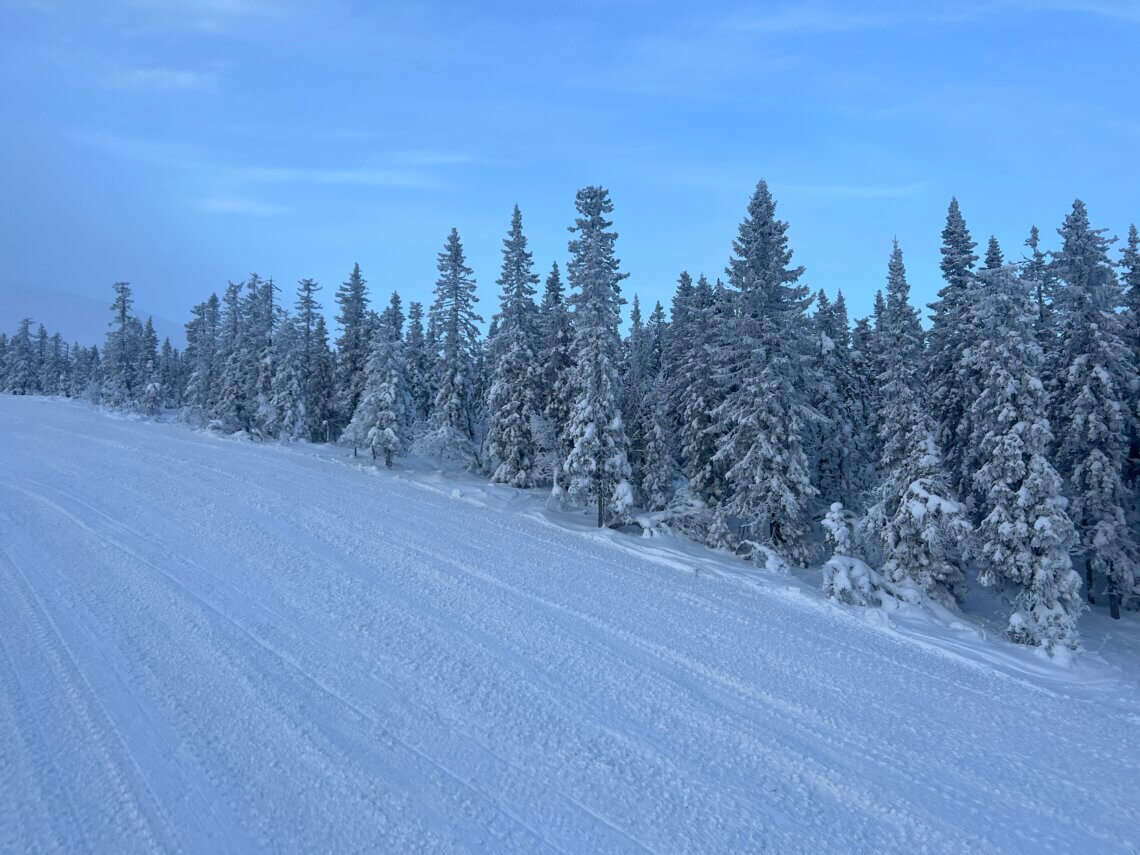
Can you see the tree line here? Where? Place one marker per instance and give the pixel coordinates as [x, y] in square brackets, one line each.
[1001, 444]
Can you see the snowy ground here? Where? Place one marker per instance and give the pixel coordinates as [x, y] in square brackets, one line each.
[213, 645]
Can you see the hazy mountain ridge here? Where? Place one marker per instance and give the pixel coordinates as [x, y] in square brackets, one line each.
[75, 317]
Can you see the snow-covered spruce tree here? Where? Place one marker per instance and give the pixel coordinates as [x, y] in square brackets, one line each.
[1097, 376]
[512, 453]
[596, 469]
[201, 359]
[263, 319]
[836, 464]
[902, 336]
[658, 476]
[695, 386]
[556, 386]
[1038, 275]
[1035, 269]
[491, 345]
[78, 371]
[950, 335]
[635, 381]
[151, 397]
[283, 415]
[873, 354]
[974, 369]
[169, 374]
[656, 336]
[308, 309]
[381, 415]
[817, 433]
[93, 392]
[320, 391]
[1023, 541]
[41, 351]
[255, 343]
[678, 340]
[453, 318]
[78, 367]
[838, 530]
[353, 344]
[641, 371]
[21, 377]
[721, 351]
[1130, 271]
[417, 364]
[767, 472]
[512, 450]
[120, 354]
[912, 520]
[866, 367]
[846, 578]
[61, 357]
[230, 408]
[146, 357]
[1130, 277]
[393, 316]
[54, 368]
[995, 258]
[480, 386]
[857, 464]
[42, 358]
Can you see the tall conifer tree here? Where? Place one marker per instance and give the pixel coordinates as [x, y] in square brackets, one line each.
[596, 468]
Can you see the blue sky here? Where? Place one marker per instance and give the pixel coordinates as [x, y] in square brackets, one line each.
[181, 143]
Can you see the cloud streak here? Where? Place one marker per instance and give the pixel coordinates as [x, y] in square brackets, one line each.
[364, 177]
[159, 79]
[820, 18]
[1127, 11]
[241, 205]
[856, 191]
[236, 187]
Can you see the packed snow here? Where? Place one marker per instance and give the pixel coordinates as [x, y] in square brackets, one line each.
[216, 645]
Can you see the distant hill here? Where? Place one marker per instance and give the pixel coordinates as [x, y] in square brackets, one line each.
[76, 318]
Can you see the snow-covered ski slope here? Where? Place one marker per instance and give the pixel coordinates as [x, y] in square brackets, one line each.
[209, 645]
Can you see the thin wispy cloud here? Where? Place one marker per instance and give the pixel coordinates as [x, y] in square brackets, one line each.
[384, 177]
[822, 18]
[1127, 11]
[412, 170]
[714, 56]
[811, 18]
[704, 65]
[856, 191]
[159, 79]
[717, 57]
[202, 16]
[405, 169]
[174, 156]
[94, 66]
[437, 158]
[240, 205]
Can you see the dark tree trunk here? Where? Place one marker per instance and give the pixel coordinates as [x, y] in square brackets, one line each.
[1113, 599]
[1089, 580]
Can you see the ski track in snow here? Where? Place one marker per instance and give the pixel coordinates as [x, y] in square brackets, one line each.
[215, 646]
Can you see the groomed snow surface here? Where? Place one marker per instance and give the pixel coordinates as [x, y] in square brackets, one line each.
[212, 645]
